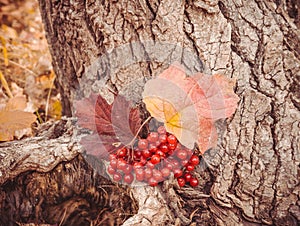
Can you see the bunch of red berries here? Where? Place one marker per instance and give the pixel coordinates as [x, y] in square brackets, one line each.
[153, 160]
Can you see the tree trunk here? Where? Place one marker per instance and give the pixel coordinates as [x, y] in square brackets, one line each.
[252, 177]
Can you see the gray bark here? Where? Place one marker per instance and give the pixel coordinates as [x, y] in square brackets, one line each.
[253, 174]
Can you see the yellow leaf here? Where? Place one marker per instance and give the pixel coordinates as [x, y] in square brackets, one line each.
[55, 109]
[11, 121]
[189, 106]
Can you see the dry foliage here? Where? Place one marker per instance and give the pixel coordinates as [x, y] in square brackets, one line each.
[26, 75]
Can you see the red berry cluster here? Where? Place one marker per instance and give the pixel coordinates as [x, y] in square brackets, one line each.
[153, 160]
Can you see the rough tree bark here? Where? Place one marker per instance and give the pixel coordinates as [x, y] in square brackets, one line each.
[252, 176]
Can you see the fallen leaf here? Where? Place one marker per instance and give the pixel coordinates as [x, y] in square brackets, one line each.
[113, 124]
[16, 103]
[11, 121]
[189, 106]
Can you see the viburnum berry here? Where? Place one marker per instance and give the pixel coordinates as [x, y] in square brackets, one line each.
[163, 138]
[137, 154]
[177, 173]
[150, 165]
[112, 156]
[153, 137]
[128, 178]
[164, 148]
[181, 154]
[172, 146]
[184, 162]
[161, 130]
[122, 152]
[117, 177]
[181, 181]
[194, 160]
[139, 174]
[155, 159]
[143, 144]
[147, 173]
[160, 153]
[153, 148]
[121, 165]
[157, 175]
[110, 170]
[187, 177]
[113, 163]
[127, 169]
[172, 139]
[152, 182]
[146, 153]
[190, 167]
[194, 182]
[137, 165]
[165, 172]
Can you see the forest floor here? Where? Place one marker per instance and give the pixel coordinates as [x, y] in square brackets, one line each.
[26, 74]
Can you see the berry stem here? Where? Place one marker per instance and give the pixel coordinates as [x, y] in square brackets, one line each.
[139, 130]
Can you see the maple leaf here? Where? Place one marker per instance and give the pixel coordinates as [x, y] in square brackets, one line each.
[113, 124]
[189, 106]
[13, 118]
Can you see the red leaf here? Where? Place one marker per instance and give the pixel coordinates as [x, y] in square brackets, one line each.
[115, 124]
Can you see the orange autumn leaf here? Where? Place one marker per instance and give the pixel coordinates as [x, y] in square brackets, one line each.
[189, 106]
[13, 118]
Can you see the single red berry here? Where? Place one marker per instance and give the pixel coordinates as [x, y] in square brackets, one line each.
[152, 148]
[112, 156]
[128, 169]
[128, 178]
[184, 162]
[165, 172]
[155, 159]
[164, 148]
[143, 144]
[150, 165]
[110, 170]
[117, 176]
[121, 153]
[146, 153]
[152, 182]
[147, 173]
[152, 137]
[181, 154]
[181, 181]
[121, 165]
[157, 175]
[177, 173]
[194, 160]
[137, 154]
[187, 177]
[161, 130]
[172, 146]
[194, 182]
[190, 167]
[163, 138]
[143, 160]
[157, 143]
[113, 163]
[169, 165]
[160, 153]
[172, 139]
[139, 174]
[137, 165]
[175, 164]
